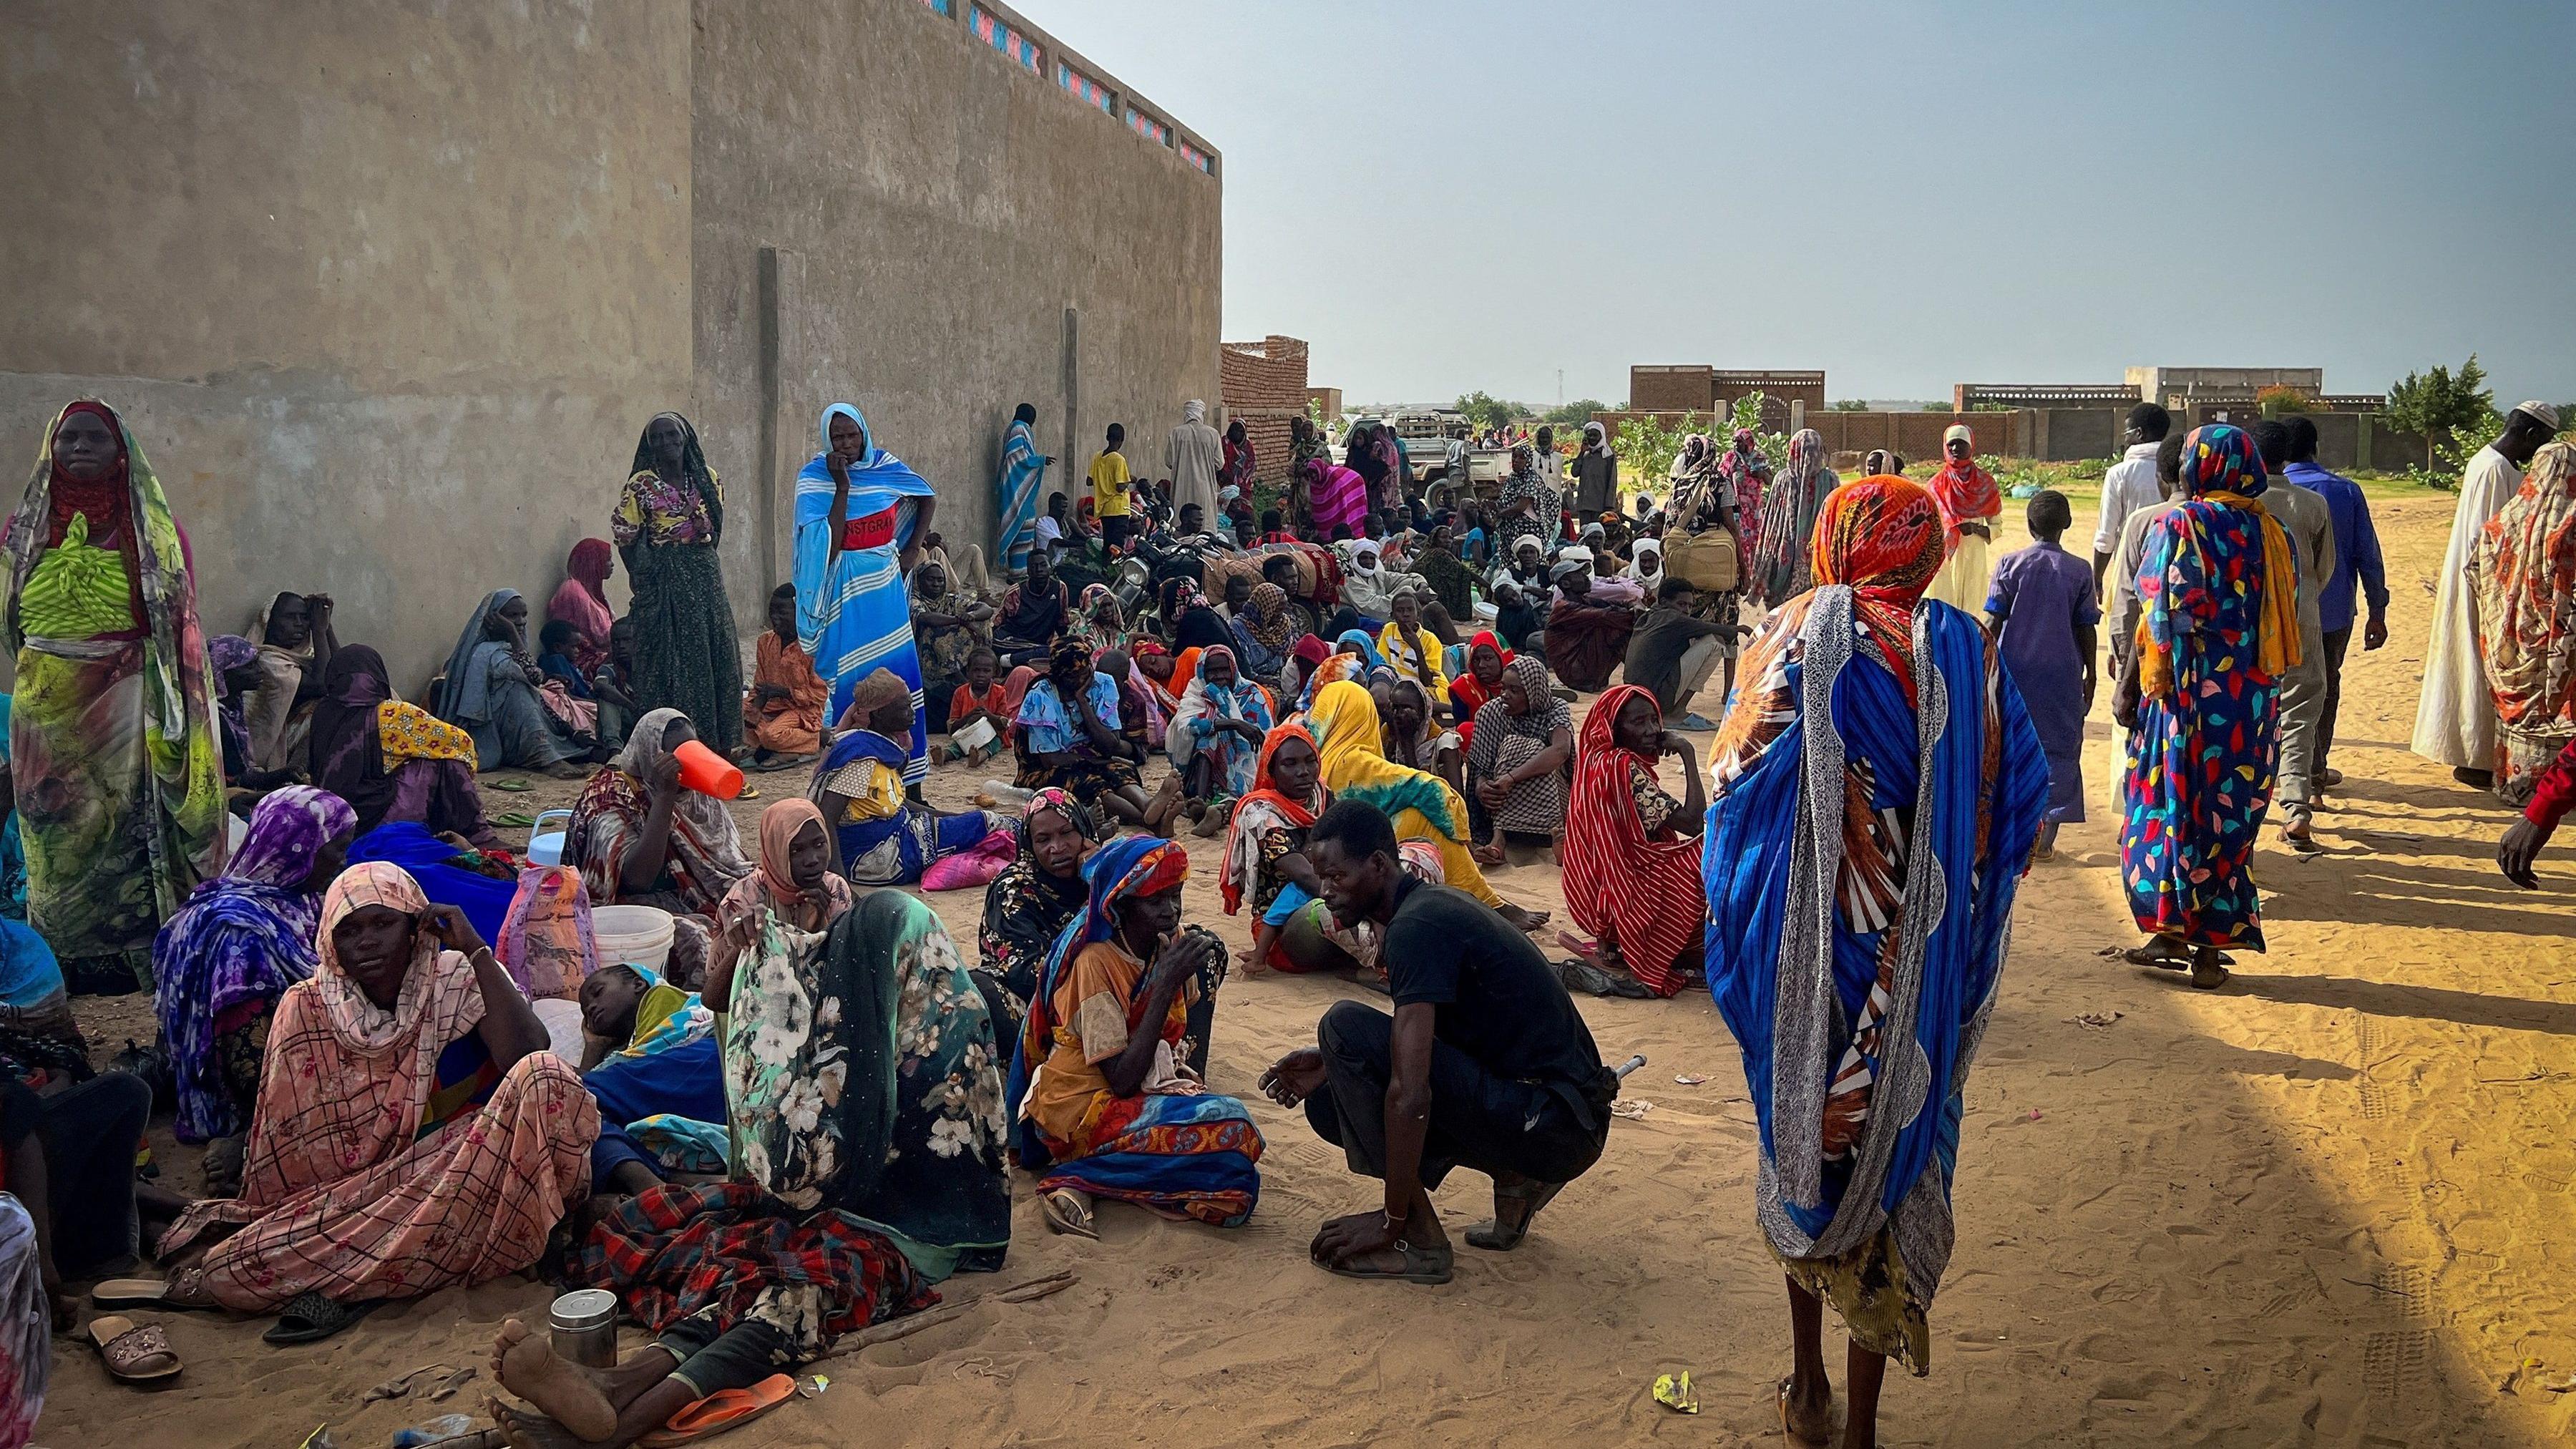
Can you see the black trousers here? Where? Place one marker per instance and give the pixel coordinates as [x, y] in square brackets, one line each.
[712, 1362]
[1478, 1120]
[89, 1133]
[2337, 641]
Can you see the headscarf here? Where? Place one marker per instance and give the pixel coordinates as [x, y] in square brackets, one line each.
[467, 699]
[581, 600]
[780, 824]
[1193, 411]
[1964, 491]
[1789, 517]
[1691, 458]
[1643, 549]
[2221, 469]
[438, 1001]
[1347, 737]
[878, 481]
[1467, 693]
[1596, 439]
[704, 815]
[1367, 647]
[1026, 906]
[1645, 894]
[1270, 620]
[1882, 537]
[1242, 700]
[1127, 868]
[1266, 807]
[2525, 572]
[224, 654]
[246, 935]
[260, 624]
[654, 510]
[877, 689]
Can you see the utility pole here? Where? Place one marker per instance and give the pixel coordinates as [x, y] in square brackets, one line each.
[1560, 387]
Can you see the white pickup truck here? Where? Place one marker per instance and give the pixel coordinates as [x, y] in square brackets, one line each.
[1427, 436]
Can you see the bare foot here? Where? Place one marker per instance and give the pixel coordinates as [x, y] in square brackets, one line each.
[530, 1431]
[1488, 854]
[1807, 1415]
[526, 1365]
[1523, 917]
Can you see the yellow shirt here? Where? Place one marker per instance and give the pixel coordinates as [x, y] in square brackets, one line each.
[1109, 478]
[874, 790]
[1419, 663]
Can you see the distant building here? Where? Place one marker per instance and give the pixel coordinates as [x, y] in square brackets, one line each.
[2181, 387]
[1787, 396]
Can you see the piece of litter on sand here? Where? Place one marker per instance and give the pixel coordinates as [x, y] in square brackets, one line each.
[1691, 1079]
[2563, 1386]
[450, 1384]
[320, 1438]
[1631, 1108]
[2096, 1018]
[395, 1388]
[2034, 1115]
[1675, 1393]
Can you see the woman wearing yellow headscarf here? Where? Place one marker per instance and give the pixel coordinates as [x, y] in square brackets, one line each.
[1421, 805]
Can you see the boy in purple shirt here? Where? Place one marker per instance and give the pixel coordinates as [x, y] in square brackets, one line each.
[2040, 605]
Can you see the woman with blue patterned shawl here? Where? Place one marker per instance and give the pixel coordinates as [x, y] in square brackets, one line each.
[1876, 791]
[860, 517]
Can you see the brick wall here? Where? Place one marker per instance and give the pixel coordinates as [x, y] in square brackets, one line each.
[1264, 384]
[1918, 435]
[1657, 388]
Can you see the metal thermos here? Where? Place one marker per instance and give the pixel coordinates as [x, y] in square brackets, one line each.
[584, 1324]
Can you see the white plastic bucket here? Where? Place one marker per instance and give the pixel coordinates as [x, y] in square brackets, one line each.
[975, 735]
[632, 935]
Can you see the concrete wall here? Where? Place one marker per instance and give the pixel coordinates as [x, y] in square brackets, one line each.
[385, 290]
[932, 212]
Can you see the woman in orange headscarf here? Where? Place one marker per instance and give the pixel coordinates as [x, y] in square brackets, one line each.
[1631, 850]
[1970, 502]
[1875, 793]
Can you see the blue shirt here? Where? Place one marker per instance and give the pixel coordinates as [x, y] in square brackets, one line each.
[2356, 546]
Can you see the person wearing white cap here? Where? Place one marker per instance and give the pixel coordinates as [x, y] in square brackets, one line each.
[2455, 721]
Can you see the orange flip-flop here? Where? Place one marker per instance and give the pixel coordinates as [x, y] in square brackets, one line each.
[714, 1414]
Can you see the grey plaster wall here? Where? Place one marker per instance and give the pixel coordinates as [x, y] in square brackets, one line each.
[933, 211]
[386, 290]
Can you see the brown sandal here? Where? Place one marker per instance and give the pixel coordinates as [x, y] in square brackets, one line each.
[134, 1354]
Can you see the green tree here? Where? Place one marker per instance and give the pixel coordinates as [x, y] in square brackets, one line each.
[1484, 410]
[1848, 405]
[2454, 412]
[1574, 414]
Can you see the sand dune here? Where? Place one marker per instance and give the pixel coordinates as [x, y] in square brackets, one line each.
[2322, 1206]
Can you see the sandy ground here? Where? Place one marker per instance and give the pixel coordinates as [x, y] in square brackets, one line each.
[2317, 1207]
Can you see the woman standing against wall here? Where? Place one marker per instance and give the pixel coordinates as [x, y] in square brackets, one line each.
[667, 525]
[120, 783]
[860, 517]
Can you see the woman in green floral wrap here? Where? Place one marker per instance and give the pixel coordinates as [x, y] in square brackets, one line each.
[118, 767]
[861, 1074]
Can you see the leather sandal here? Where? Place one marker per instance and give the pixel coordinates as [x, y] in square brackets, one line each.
[134, 1354]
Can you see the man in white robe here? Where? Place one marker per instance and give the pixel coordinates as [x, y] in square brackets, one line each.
[1191, 453]
[2455, 718]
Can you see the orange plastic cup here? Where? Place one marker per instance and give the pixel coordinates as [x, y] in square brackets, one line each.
[705, 771]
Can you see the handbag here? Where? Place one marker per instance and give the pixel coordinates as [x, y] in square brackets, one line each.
[1705, 560]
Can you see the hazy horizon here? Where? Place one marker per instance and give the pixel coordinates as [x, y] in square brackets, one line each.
[1446, 197]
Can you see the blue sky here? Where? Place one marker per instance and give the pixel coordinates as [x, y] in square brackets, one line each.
[1444, 196]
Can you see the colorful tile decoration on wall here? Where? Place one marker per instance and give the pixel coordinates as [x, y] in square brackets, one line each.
[998, 33]
[1195, 156]
[1149, 128]
[944, 7]
[1084, 87]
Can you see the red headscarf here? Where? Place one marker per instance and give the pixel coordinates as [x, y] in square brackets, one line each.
[106, 501]
[590, 564]
[1965, 492]
[1266, 796]
[1469, 693]
[1883, 536]
[1642, 893]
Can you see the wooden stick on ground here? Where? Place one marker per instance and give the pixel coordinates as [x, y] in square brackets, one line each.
[1027, 1292]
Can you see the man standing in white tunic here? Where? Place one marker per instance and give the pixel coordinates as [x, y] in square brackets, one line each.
[2455, 719]
[1190, 456]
